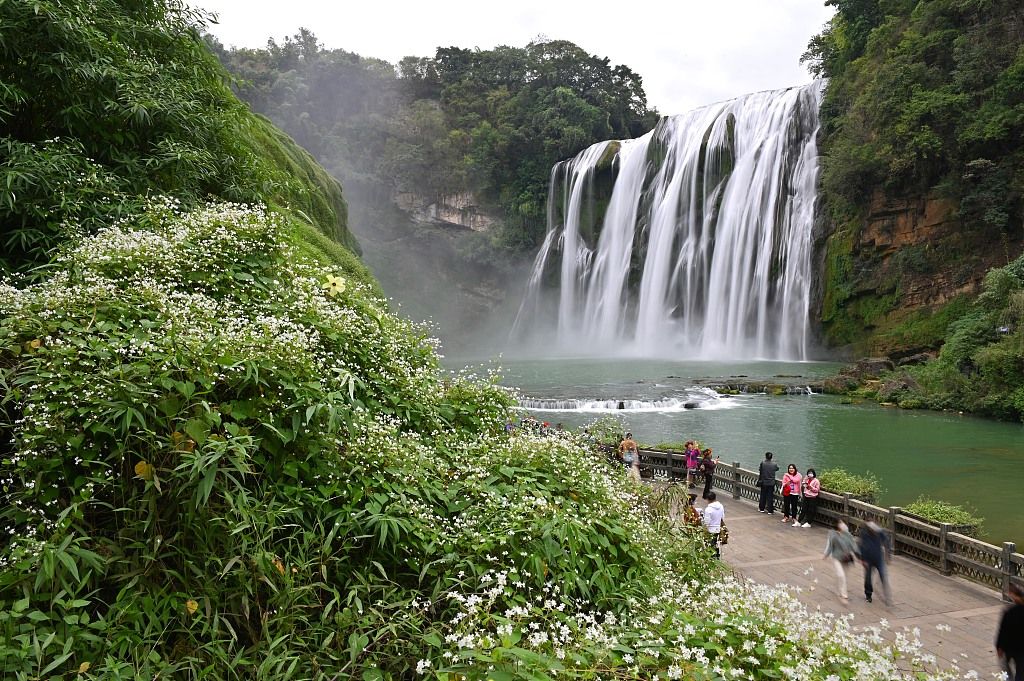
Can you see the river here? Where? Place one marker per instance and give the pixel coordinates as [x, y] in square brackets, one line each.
[950, 457]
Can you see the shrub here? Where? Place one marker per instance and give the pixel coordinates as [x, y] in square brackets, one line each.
[227, 462]
[944, 512]
[840, 481]
[607, 430]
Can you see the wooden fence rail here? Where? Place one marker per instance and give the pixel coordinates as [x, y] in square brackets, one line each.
[940, 546]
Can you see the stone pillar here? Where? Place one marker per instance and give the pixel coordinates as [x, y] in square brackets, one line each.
[1008, 549]
[944, 549]
[893, 512]
[735, 479]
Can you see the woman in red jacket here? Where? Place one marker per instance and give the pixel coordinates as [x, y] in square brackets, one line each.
[812, 487]
[790, 494]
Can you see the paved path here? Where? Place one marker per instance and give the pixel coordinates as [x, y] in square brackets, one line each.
[764, 549]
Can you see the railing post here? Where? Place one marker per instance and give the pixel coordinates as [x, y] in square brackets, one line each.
[944, 549]
[1008, 548]
[893, 512]
[846, 507]
[735, 479]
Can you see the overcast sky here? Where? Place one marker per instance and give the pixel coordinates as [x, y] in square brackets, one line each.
[689, 52]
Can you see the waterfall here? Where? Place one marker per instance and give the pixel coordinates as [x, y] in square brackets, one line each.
[693, 241]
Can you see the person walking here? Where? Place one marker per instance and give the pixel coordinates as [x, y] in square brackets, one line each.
[1010, 638]
[842, 549]
[812, 488]
[874, 551]
[791, 494]
[630, 456]
[714, 517]
[707, 469]
[766, 481]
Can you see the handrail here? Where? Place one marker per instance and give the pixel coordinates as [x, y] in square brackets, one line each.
[937, 545]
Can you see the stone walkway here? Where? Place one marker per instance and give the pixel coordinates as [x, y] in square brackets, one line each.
[764, 549]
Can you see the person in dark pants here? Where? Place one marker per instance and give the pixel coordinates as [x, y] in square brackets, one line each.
[874, 550]
[1010, 639]
[707, 468]
[766, 481]
[812, 488]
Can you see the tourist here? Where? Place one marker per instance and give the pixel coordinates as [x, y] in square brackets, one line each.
[691, 515]
[1010, 639]
[791, 494]
[630, 456]
[812, 488]
[874, 551]
[766, 481]
[692, 461]
[707, 469]
[842, 549]
[714, 517]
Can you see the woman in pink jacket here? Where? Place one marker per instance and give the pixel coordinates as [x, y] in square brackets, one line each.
[790, 494]
[812, 487]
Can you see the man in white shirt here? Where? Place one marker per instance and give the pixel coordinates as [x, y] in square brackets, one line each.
[714, 516]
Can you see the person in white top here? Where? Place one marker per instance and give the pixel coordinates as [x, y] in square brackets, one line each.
[714, 516]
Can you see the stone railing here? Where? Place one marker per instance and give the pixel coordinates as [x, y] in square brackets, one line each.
[939, 546]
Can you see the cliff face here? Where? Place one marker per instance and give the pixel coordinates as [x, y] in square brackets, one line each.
[892, 277]
[460, 210]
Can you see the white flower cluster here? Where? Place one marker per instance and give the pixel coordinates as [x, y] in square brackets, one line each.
[726, 629]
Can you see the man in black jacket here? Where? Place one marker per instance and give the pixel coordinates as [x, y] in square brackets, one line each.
[874, 550]
[766, 480]
[1010, 639]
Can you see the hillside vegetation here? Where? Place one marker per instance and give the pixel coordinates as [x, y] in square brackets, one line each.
[105, 104]
[925, 103]
[491, 122]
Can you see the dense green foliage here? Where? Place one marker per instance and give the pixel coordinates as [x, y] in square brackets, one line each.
[491, 122]
[925, 101]
[841, 481]
[105, 103]
[981, 365]
[926, 95]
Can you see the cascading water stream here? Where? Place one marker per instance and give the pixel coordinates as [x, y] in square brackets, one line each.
[691, 241]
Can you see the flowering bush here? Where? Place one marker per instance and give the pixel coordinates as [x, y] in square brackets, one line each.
[722, 629]
[224, 462]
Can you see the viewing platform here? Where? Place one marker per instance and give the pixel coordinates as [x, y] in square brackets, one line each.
[948, 586]
[771, 552]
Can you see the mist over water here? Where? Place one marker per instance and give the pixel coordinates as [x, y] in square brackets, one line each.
[700, 248]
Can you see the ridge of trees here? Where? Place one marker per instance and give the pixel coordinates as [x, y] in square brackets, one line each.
[491, 122]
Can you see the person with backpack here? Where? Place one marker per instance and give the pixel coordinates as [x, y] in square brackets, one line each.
[766, 481]
[714, 521]
[842, 549]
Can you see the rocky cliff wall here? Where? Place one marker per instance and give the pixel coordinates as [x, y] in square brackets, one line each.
[890, 277]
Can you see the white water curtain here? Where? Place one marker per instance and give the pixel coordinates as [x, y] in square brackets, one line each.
[704, 249]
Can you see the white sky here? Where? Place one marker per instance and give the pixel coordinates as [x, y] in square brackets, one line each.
[689, 52]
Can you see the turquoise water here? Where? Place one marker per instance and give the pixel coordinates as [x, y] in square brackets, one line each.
[954, 458]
